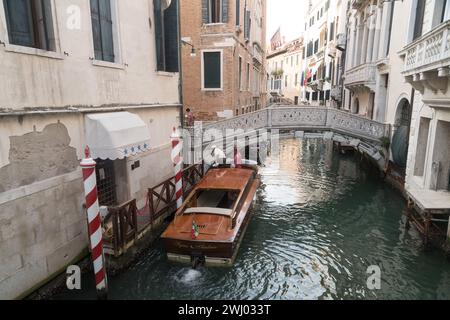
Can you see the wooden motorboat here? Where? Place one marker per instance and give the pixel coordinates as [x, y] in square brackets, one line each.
[209, 227]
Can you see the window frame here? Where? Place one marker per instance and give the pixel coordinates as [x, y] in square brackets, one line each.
[118, 58]
[14, 48]
[210, 12]
[203, 69]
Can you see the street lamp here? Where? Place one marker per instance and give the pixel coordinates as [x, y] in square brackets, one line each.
[193, 52]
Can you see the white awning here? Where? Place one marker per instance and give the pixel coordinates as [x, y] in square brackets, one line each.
[116, 135]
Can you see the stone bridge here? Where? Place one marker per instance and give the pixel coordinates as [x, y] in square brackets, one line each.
[348, 129]
[316, 119]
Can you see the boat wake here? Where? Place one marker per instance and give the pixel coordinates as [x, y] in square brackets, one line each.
[188, 276]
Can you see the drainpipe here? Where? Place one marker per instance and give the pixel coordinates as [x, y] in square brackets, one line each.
[180, 66]
[344, 63]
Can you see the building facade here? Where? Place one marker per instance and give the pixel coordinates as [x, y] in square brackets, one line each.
[374, 86]
[284, 68]
[426, 66]
[223, 57]
[322, 68]
[93, 73]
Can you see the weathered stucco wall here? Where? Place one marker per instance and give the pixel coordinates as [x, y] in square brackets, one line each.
[38, 156]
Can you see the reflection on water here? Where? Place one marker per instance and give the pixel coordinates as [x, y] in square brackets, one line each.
[320, 221]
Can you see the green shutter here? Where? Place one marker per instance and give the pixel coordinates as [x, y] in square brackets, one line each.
[238, 12]
[212, 70]
[102, 30]
[225, 8]
[159, 35]
[106, 30]
[19, 22]
[205, 11]
[171, 37]
[96, 30]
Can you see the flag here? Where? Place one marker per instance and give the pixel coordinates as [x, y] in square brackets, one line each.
[308, 76]
[195, 232]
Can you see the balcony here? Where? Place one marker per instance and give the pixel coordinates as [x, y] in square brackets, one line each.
[341, 41]
[427, 60]
[361, 76]
[336, 93]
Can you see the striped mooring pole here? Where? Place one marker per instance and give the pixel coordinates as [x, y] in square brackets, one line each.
[94, 224]
[177, 159]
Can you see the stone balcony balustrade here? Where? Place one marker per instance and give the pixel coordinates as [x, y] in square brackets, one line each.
[427, 60]
[361, 76]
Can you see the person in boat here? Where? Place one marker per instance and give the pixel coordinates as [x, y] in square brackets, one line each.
[218, 155]
[237, 158]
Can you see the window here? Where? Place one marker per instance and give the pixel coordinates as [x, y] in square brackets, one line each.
[248, 24]
[418, 24]
[441, 12]
[102, 30]
[215, 11]
[332, 31]
[240, 73]
[285, 81]
[316, 46]
[166, 36]
[238, 12]
[248, 76]
[391, 20]
[212, 70]
[296, 79]
[106, 182]
[30, 23]
[446, 11]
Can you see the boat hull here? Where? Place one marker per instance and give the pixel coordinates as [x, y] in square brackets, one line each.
[214, 250]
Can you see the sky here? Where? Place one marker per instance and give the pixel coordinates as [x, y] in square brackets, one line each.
[289, 14]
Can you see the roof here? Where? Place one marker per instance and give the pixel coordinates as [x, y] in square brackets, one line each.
[227, 179]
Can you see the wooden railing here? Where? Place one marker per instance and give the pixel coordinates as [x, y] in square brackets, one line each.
[162, 197]
[123, 220]
[121, 227]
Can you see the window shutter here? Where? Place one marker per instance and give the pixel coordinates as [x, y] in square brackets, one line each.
[225, 8]
[247, 24]
[96, 33]
[48, 25]
[20, 22]
[171, 37]
[238, 12]
[106, 30]
[205, 11]
[159, 35]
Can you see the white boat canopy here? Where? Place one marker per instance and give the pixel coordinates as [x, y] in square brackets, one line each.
[116, 135]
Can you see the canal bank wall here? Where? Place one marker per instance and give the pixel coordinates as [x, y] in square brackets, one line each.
[42, 231]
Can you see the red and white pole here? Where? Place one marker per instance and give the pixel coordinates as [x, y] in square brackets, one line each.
[177, 159]
[95, 224]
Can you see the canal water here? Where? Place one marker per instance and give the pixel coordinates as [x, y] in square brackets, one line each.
[321, 220]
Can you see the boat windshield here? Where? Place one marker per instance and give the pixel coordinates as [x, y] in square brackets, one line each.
[209, 201]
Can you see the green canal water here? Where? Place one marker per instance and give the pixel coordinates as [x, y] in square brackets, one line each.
[321, 220]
